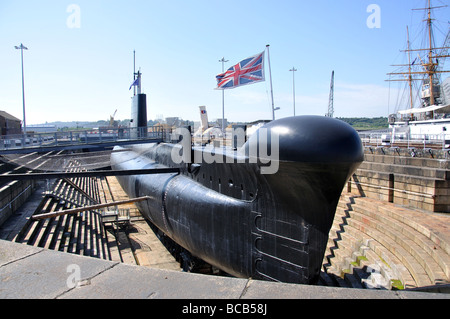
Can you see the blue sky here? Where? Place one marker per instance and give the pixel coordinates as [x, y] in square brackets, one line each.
[84, 73]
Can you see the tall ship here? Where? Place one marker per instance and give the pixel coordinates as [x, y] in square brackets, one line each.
[424, 112]
[261, 207]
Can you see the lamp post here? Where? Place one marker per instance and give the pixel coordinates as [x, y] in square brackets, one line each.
[293, 84]
[21, 48]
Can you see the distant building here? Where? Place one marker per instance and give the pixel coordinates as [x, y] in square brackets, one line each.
[9, 124]
[219, 123]
[42, 128]
[173, 121]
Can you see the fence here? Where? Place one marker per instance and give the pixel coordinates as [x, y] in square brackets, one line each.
[435, 141]
[80, 137]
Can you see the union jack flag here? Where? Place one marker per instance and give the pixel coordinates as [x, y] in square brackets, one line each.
[248, 71]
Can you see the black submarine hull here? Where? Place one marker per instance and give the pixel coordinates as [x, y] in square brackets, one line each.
[229, 213]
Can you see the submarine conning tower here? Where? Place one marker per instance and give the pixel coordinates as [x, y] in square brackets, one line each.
[138, 123]
[244, 220]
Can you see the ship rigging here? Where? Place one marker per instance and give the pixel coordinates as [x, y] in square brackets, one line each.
[427, 67]
[427, 103]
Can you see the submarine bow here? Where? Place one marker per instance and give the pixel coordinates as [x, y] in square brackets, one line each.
[239, 216]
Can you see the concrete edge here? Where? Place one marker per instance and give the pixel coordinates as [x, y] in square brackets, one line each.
[28, 272]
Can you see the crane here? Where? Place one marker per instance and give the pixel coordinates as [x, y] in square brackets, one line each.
[111, 119]
[330, 112]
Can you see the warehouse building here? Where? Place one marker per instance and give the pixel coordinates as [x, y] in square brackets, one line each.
[9, 124]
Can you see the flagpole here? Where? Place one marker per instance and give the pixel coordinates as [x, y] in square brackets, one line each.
[271, 90]
[293, 84]
[134, 70]
[223, 100]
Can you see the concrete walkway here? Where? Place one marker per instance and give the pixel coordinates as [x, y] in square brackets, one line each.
[30, 272]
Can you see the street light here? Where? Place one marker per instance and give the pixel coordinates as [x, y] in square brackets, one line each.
[21, 48]
[293, 83]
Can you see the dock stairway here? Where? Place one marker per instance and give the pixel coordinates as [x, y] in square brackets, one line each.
[376, 244]
[80, 233]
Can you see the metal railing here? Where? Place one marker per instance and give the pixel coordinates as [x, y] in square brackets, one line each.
[21, 141]
[436, 141]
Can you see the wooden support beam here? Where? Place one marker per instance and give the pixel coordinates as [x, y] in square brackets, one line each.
[68, 181]
[37, 176]
[91, 207]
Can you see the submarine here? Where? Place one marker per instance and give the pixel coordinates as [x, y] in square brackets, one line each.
[262, 208]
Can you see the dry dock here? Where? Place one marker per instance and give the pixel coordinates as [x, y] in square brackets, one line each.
[380, 237]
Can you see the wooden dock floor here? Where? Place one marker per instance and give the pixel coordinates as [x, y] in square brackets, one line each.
[145, 245]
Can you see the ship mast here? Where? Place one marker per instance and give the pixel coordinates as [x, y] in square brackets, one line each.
[430, 66]
[409, 71]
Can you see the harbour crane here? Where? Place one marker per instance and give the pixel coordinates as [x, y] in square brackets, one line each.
[111, 119]
[330, 112]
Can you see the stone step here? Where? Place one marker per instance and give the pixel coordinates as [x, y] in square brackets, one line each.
[325, 279]
[422, 222]
[401, 234]
[378, 277]
[336, 276]
[382, 244]
[377, 250]
[374, 252]
[353, 280]
[406, 227]
[406, 239]
[345, 253]
[357, 257]
[436, 238]
[339, 257]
